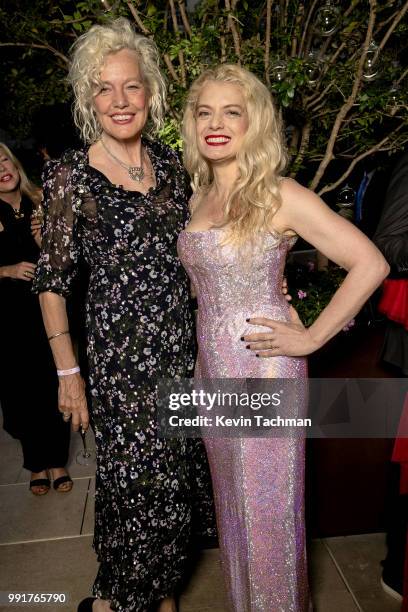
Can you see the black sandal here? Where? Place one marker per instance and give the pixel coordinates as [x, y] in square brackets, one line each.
[40, 482]
[60, 481]
[86, 604]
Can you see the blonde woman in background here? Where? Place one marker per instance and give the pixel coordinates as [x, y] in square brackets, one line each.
[121, 202]
[28, 382]
[245, 218]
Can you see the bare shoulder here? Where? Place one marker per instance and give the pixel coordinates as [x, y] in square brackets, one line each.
[295, 194]
[295, 201]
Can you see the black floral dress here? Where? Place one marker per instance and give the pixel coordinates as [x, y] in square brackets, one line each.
[140, 327]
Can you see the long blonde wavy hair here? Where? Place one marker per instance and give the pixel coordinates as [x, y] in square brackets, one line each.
[262, 159]
[27, 187]
[88, 54]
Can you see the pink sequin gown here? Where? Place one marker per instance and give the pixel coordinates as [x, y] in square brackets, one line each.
[258, 482]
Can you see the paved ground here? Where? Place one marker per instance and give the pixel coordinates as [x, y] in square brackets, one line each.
[45, 546]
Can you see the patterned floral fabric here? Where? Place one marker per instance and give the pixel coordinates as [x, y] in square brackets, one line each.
[140, 327]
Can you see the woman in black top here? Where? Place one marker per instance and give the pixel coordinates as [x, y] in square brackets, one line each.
[28, 381]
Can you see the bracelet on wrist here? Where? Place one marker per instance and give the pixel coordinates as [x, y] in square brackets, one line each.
[74, 370]
[66, 331]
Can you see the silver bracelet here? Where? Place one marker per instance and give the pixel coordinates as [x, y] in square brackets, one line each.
[68, 372]
[58, 334]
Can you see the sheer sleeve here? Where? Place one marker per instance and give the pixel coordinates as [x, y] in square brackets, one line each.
[183, 183]
[57, 265]
[183, 177]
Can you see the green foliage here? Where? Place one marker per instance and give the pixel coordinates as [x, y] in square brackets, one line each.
[35, 76]
[170, 134]
[312, 289]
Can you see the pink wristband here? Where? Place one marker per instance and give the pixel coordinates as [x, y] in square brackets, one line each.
[68, 372]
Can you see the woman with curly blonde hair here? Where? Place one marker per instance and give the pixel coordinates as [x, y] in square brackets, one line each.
[120, 203]
[245, 218]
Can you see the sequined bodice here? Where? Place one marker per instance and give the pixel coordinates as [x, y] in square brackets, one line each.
[231, 288]
[224, 279]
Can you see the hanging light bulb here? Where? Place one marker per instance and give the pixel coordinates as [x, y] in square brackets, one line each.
[345, 201]
[393, 99]
[327, 19]
[278, 70]
[371, 67]
[313, 68]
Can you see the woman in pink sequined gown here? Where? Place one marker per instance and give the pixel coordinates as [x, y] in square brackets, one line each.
[245, 218]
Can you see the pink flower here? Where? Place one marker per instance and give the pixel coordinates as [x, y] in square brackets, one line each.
[301, 294]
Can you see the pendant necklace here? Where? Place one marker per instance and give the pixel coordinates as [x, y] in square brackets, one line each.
[18, 212]
[136, 173]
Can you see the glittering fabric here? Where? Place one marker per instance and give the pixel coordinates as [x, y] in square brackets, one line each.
[258, 482]
[140, 327]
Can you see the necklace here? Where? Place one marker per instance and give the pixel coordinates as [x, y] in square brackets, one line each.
[136, 173]
[18, 213]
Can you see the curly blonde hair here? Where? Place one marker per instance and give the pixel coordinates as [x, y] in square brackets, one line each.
[88, 54]
[262, 158]
[27, 187]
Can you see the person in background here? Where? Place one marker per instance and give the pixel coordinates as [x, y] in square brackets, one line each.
[391, 238]
[28, 383]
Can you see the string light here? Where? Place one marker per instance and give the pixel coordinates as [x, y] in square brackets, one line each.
[370, 69]
[327, 19]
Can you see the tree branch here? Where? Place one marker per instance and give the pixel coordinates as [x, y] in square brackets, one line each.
[350, 152]
[233, 29]
[390, 30]
[175, 114]
[285, 14]
[294, 141]
[184, 18]
[268, 40]
[174, 19]
[281, 15]
[170, 67]
[374, 149]
[402, 77]
[320, 97]
[304, 143]
[182, 68]
[137, 18]
[223, 49]
[329, 111]
[328, 155]
[308, 18]
[382, 24]
[38, 46]
[70, 21]
[298, 20]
